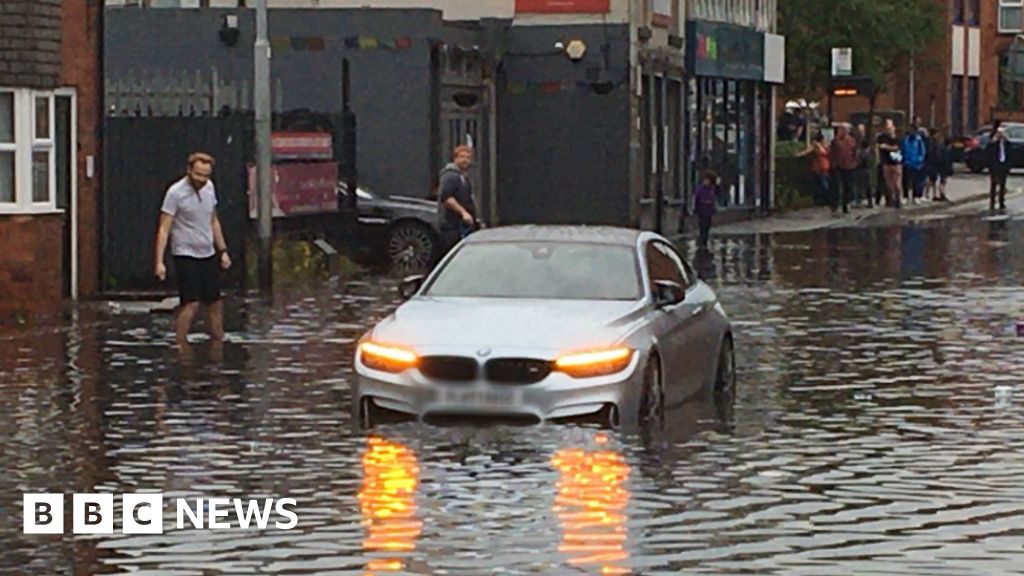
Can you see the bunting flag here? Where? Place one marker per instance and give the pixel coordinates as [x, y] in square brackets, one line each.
[319, 44]
[555, 87]
[373, 43]
[298, 43]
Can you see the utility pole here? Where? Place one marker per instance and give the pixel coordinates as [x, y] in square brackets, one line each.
[636, 164]
[264, 176]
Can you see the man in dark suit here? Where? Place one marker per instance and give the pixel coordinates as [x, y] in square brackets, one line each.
[999, 167]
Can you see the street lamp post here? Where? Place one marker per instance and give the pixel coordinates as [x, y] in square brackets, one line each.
[264, 179]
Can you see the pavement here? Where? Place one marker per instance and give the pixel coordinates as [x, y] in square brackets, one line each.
[963, 190]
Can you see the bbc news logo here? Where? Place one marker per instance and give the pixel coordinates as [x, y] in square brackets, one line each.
[144, 513]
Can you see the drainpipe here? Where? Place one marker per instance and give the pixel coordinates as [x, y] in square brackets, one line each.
[635, 146]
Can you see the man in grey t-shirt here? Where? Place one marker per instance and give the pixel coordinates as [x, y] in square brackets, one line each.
[189, 219]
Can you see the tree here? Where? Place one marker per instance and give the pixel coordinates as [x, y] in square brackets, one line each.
[882, 33]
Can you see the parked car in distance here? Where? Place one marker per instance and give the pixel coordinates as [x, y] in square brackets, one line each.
[974, 149]
[548, 323]
[977, 159]
[964, 144]
[398, 232]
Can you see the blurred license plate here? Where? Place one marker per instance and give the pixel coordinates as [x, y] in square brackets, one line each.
[483, 398]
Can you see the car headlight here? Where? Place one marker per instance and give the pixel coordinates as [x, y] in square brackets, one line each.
[594, 363]
[387, 358]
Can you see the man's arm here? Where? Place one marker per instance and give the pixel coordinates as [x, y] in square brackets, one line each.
[448, 187]
[218, 234]
[163, 232]
[219, 243]
[452, 204]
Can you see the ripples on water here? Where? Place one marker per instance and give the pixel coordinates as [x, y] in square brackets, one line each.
[868, 435]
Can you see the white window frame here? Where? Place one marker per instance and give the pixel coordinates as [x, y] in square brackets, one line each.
[25, 144]
[1018, 4]
[9, 147]
[45, 144]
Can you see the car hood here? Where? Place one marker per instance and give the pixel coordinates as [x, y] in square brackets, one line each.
[445, 323]
[408, 202]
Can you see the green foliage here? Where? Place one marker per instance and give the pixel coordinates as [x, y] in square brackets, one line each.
[882, 33]
[297, 263]
[789, 148]
[793, 186]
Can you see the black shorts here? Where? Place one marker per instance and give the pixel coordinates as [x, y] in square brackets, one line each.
[198, 279]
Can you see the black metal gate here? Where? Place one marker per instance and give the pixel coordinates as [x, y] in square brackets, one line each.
[145, 155]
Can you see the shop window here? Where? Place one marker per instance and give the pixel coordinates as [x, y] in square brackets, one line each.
[957, 114]
[1009, 89]
[972, 104]
[973, 12]
[27, 166]
[1011, 16]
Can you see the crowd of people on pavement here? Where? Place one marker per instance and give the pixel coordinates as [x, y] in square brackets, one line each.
[896, 168]
[912, 167]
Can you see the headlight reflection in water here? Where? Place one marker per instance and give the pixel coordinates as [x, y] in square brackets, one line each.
[591, 507]
[387, 500]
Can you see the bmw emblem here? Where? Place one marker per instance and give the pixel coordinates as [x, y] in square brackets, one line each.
[483, 352]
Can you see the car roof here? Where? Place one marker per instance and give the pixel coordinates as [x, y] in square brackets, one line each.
[567, 234]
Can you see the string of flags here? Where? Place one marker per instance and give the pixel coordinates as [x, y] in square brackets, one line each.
[559, 86]
[319, 44]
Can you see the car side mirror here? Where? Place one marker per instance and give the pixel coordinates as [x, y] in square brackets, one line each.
[410, 286]
[668, 293]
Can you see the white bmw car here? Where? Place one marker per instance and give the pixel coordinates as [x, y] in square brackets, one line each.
[548, 323]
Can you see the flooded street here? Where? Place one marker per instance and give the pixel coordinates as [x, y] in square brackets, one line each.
[878, 428]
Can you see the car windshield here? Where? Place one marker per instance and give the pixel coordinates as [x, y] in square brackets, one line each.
[548, 270]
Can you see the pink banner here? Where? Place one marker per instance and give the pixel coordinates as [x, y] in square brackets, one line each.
[563, 6]
[300, 189]
[302, 146]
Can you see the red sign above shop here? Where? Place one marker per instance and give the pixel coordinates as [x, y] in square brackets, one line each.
[300, 189]
[302, 146]
[563, 6]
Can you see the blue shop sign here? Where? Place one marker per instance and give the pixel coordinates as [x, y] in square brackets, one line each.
[725, 50]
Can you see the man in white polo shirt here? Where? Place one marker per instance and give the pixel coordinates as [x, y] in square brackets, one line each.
[189, 218]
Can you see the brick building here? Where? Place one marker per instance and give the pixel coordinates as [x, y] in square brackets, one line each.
[48, 143]
[959, 84]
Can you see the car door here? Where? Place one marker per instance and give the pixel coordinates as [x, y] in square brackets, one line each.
[674, 324]
[1015, 139]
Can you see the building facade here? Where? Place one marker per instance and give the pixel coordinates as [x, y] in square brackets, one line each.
[583, 111]
[48, 146]
[961, 82]
[735, 61]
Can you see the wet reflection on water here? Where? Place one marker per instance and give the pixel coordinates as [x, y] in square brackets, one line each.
[387, 501]
[591, 506]
[877, 428]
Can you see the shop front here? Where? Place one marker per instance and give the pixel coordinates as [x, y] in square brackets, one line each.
[729, 112]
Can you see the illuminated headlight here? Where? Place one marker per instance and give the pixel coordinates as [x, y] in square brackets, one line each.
[594, 363]
[387, 358]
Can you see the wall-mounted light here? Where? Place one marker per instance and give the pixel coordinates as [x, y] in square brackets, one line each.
[576, 50]
[229, 30]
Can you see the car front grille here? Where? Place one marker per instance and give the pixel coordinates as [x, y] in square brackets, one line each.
[449, 368]
[522, 371]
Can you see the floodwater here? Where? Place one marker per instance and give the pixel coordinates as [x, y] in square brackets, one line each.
[878, 429]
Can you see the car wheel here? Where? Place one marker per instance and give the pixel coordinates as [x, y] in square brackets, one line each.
[367, 413]
[725, 379]
[411, 247]
[652, 401]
